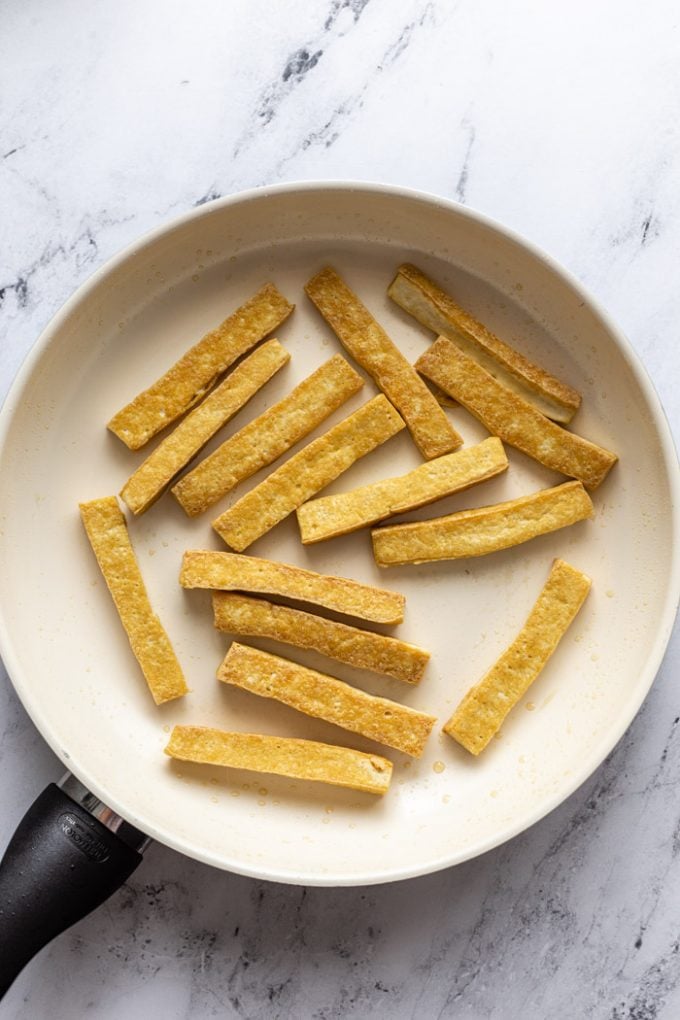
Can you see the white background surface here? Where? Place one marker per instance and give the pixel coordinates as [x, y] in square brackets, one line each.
[562, 124]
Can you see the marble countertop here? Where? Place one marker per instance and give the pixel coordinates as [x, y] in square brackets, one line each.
[562, 121]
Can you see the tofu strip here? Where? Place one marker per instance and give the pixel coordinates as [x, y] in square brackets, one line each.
[484, 530]
[232, 572]
[282, 756]
[194, 374]
[413, 291]
[308, 471]
[325, 697]
[483, 709]
[513, 419]
[249, 617]
[160, 469]
[108, 534]
[371, 347]
[329, 516]
[267, 437]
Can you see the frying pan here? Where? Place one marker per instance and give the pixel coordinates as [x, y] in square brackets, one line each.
[68, 657]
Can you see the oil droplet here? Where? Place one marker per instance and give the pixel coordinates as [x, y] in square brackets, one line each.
[438, 766]
[166, 728]
[215, 800]
[493, 793]
[262, 803]
[530, 706]
[235, 793]
[152, 552]
[594, 657]
[195, 277]
[263, 791]
[213, 781]
[609, 593]
[245, 786]
[325, 821]
[446, 798]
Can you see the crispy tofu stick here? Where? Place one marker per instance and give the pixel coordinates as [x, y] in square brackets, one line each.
[512, 418]
[282, 756]
[310, 470]
[371, 347]
[107, 531]
[483, 709]
[152, 478]
[268, 436]
[231, 572]
[338, 515]
[325, 697]
[484, 530]
[431, 306]
[194, 374]
[248, 617]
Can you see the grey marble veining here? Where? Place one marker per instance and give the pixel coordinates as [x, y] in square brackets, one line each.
[563, 122]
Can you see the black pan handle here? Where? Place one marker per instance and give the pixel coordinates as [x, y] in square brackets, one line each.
[69, 854]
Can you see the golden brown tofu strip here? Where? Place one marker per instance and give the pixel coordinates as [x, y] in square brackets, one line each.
[329, 516]
[484, 530]
[194, 374]
[483, 709]
[512, 418]
[160, 469]
[325, 697]
[267, 437]
[108, 534]
[371, 347]
[249, 617]
[310, 470]
[282, 756]
[232, 572]
[434, 308]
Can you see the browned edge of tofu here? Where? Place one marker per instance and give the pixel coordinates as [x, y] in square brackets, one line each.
[422, 298]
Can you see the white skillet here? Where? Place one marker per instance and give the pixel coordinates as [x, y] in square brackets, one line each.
[68, 657]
